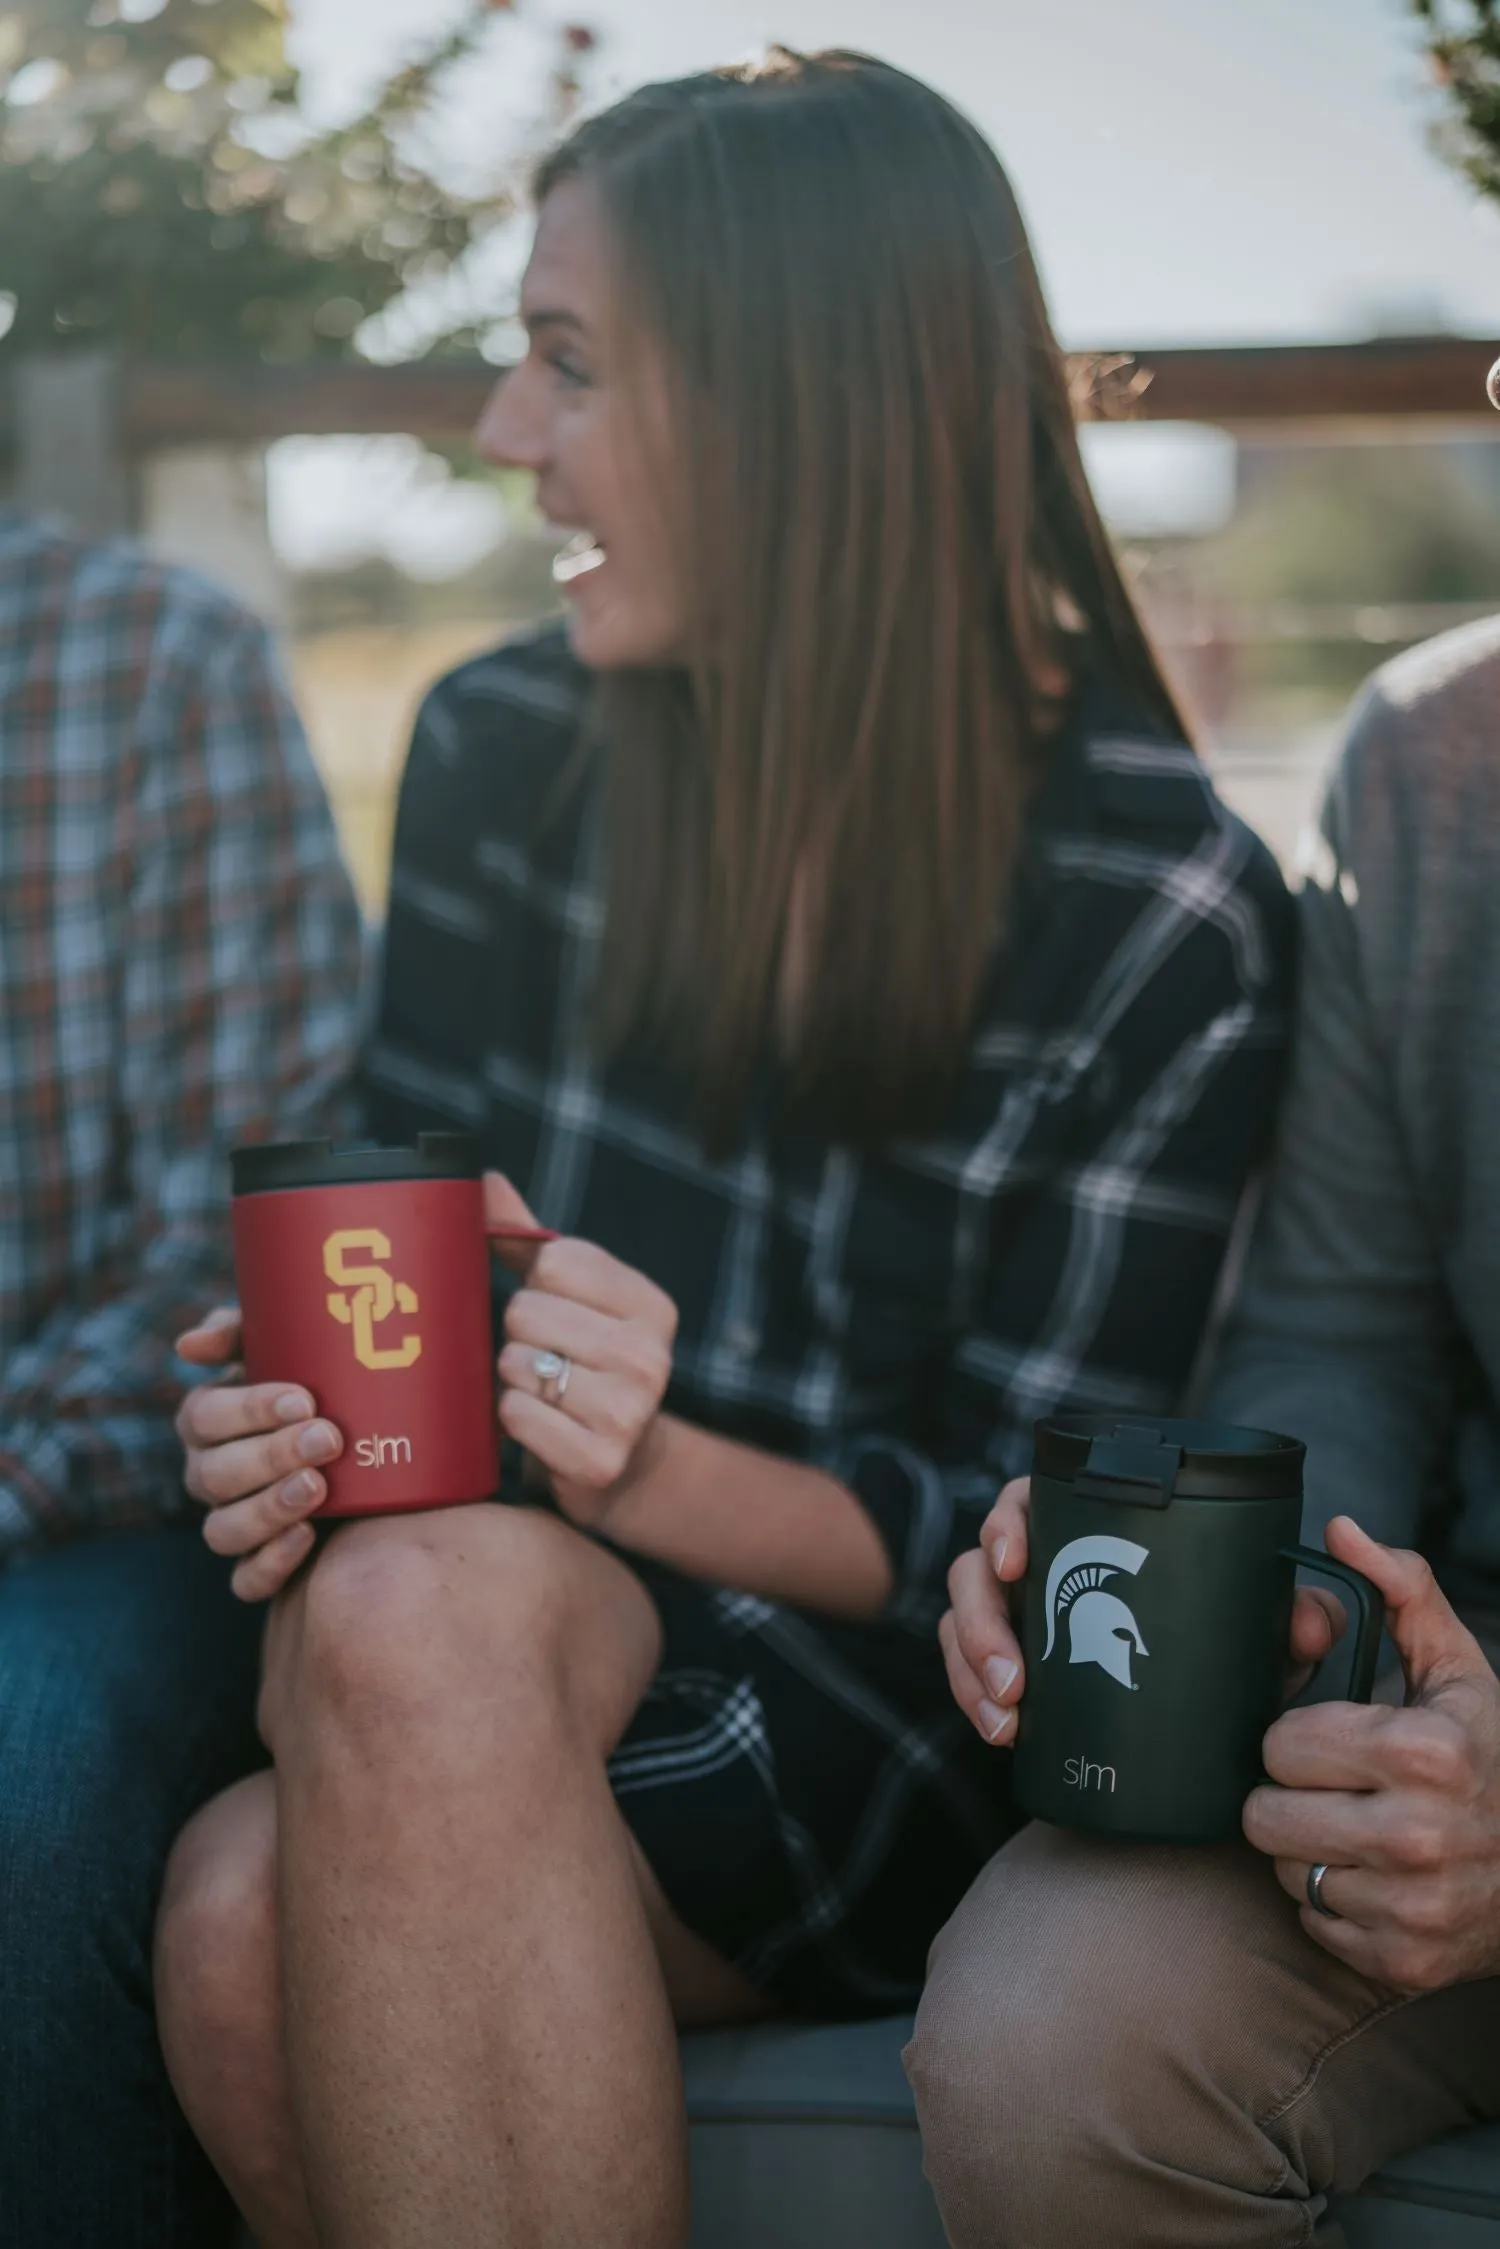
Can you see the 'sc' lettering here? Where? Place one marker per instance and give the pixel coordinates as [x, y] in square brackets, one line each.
[375, 1296]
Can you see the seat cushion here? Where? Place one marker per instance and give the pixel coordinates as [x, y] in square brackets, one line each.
[804, 2136]
[809, 2073]
[1443, 2196]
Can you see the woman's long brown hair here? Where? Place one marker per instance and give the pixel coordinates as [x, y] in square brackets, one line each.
[875, 490]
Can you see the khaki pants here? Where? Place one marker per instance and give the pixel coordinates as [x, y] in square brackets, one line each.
[1125, 2046]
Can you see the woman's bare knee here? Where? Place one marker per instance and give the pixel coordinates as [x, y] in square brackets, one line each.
[217, 1995]
[403, 1627]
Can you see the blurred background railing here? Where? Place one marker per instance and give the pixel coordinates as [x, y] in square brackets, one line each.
[1344, 502]
[259, 340]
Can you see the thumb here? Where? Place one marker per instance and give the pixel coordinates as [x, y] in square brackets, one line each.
[506, 1209]
[1434, 1647]
[214, 1341]
[504, 1205]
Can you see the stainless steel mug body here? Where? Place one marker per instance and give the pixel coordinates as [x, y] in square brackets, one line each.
[1157, 1605]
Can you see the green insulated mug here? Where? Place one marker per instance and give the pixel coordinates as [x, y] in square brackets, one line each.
[1157, 1602]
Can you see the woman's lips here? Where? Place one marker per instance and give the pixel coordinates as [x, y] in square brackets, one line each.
[581, 555]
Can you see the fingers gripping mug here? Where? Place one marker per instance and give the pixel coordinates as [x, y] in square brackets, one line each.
[1161, 1567]
[364, 1277]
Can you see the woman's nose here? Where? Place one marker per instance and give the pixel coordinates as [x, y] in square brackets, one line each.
[510, 435]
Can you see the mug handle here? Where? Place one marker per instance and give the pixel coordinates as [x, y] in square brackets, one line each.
[1369, 1622]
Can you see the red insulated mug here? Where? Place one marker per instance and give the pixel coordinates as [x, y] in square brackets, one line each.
[364, 1277]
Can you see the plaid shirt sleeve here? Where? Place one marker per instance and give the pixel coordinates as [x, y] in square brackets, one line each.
[234, 1011]
[1097, 1299]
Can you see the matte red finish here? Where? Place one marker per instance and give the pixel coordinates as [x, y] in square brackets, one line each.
[394, 1344]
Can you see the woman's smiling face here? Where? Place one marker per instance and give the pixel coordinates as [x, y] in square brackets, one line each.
[568, 415]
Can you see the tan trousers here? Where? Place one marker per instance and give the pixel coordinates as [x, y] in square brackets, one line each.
[1123, 2046]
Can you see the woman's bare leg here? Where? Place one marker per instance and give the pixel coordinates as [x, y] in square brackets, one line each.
[218, 2007]
[218, 1985]
[481, 1859]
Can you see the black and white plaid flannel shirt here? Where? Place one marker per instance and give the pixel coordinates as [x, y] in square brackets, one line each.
[900, 1319]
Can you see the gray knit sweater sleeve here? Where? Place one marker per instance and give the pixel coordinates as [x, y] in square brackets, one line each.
[1340, 1335]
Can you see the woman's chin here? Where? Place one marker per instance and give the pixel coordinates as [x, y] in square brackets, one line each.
[606, 641]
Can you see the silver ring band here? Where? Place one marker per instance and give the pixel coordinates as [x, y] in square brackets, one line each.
[553, 1373]
[1315, 1876]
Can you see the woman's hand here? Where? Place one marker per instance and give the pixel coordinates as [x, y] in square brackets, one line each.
[982, 1652]
[1401, 1806]
[979, 1647]
[615, 1330]
[253, 1458]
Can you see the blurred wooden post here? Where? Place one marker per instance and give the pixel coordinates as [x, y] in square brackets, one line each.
[70, 458]
[204, 506]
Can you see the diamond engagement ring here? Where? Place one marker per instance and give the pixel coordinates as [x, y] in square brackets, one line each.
[554, 1373]
[1315, 1876]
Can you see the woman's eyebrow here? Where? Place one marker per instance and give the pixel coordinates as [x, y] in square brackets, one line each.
[547, 316]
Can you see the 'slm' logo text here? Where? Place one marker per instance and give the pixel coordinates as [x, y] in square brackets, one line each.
[383, 1452]
[365, 1296]
[1081, 1772]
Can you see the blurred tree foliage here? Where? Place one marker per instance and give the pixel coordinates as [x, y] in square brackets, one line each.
[1463, 39]
[160, 194]
[1361, 523]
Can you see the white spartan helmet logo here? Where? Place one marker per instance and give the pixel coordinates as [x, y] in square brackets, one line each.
[1100, 1628]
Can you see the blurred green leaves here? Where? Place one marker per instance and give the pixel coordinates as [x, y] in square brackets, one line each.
[1463, 40]
[160, 195]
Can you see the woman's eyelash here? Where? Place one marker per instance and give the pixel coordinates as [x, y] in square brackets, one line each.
[568, 369]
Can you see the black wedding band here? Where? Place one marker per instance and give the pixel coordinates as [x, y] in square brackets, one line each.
[1315, 1876]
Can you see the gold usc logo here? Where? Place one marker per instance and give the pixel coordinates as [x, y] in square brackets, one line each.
[375, 1296]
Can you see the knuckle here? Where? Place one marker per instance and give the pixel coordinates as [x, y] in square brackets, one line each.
[657, 1364]
[554, 1262]
[191, 1425]
[213, 1534]
[215, 1481]
[1428, 1751]
[283, 1457]
[1261, 1826]
[1425, 1910]
[620, 1417]
[1413, 1964]
[964, 1573]
[1419, 1846]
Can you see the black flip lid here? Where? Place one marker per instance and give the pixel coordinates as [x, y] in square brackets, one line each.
[317, 1163]
[1146, 1462]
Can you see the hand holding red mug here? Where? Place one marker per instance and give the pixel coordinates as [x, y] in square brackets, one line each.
[586, 1363]
[585, 1366]
[255, 1452]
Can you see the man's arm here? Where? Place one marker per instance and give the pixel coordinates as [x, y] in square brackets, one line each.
[237, 1009]
[1340, 1335]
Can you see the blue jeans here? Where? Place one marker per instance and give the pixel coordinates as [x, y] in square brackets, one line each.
[127, 1697]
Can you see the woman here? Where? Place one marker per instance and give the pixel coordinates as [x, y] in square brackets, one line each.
[866, 981]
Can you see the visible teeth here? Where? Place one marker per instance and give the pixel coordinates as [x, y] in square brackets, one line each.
[581, 554]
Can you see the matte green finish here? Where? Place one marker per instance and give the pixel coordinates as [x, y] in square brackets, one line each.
[1167, 1659]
